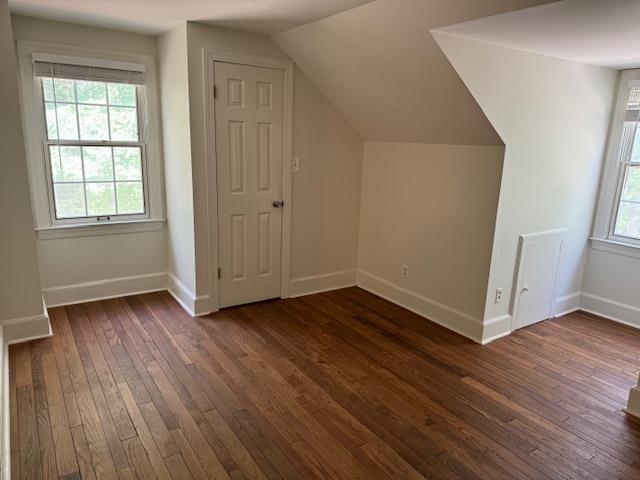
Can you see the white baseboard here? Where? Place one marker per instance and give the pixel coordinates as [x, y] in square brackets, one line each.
[194, 306]
[103, 289]
[496, 328]
[18, 330]
[322, 283]
[610, 309]
[436, 312]
[566, 304]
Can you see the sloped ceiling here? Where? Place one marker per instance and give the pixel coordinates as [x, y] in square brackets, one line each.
[381, 67]
[157, 16]
[597, 32]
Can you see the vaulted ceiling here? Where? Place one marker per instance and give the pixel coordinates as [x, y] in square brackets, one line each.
[157, 16]
[381, 67]
[597, 32]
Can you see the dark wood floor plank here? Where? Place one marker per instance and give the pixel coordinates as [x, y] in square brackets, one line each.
[83, 454]
[60, 427]
[45, 438]
[338, 385]
[30, 466]
[144, 434]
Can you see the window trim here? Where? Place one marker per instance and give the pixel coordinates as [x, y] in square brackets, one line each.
[46, 224]
[612, 181]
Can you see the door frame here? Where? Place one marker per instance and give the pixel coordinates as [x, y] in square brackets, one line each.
[287, 67]
[523, 242]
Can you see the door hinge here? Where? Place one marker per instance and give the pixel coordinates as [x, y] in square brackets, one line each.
[219, 273]
[215, 91]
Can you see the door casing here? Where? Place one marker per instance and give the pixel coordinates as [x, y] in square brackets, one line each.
[287, 66]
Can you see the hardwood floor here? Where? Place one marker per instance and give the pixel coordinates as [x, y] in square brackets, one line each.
[336, 385]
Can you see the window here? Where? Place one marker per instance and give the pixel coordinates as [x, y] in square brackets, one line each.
[93, 142]
[92, 136]
[626, 222]
[618, 215]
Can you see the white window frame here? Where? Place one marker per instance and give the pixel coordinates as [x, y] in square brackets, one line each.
[46, 224]
[612, 183]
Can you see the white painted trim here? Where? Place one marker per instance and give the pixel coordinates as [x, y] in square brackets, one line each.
[566, 304]
[34, 128]
[193, 305]
[322, 283]
[610, 309]
[496, 328]
[443, 315]
[18, 330]
[92, 229]
[287, 66]
[104, 289]
[610, 182]
[617, 248]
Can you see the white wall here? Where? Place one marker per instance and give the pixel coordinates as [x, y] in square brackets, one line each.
[432, 208]
[331, 156]
[201, 37]
[67, 265]
[174, 94]
[326, 192]
[610, 286]
[20, 294]
[553, 116]
[378, 64]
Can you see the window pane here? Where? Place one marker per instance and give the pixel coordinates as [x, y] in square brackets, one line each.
[66, 164]
[64, 90]
[124, 124]
[50, 117]
[91, 92]
[130, 198]
[122, 95]
[94, 123]
[635, 148]
[631, 190]
[69, 198]
[67, 122]
[628, 221]
[100, 199]
[47, 89]
[128, 163]
[98, 165]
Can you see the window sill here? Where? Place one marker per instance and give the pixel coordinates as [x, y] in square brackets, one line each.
[96, 229]
[617, 248]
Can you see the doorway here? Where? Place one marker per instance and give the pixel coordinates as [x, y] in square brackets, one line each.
[249, 110]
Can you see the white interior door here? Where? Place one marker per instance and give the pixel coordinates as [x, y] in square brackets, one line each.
[248, 116]
[538, 268]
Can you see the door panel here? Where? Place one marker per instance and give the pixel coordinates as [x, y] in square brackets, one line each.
[248, 111]
[538, 267]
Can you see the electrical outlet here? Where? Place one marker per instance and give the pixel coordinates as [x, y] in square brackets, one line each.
[405, 271]
[499, 295]
[296, 164]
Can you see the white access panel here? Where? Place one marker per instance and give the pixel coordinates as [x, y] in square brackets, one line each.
[537, 270]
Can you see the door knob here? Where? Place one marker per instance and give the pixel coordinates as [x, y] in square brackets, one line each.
[525, 289]
[278, 203]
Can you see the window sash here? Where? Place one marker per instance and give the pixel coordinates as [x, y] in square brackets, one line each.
[141, 143]
[625, 149]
